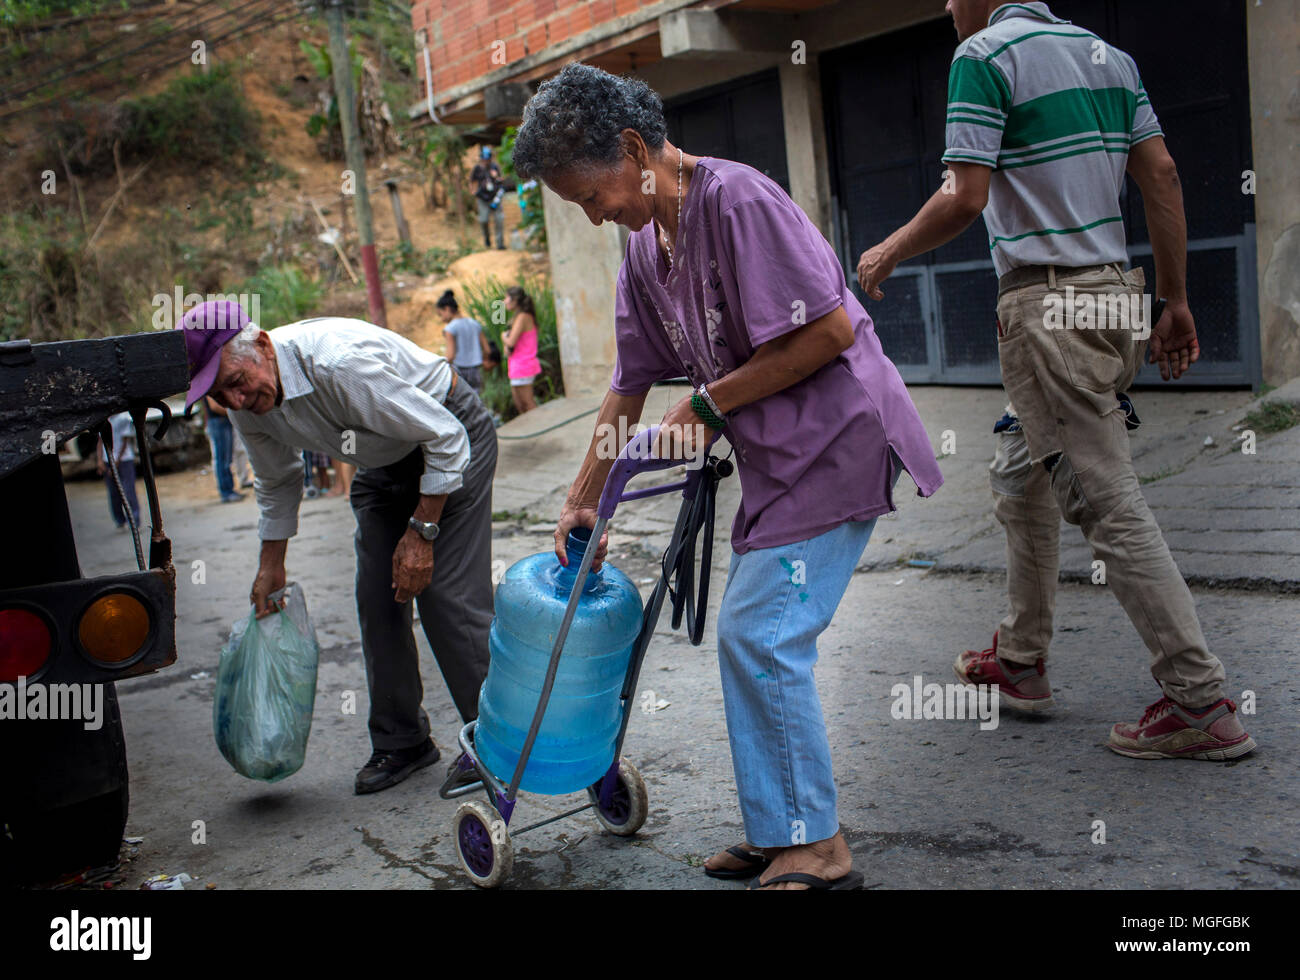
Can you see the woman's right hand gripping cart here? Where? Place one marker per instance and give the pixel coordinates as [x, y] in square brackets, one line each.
[618, 415]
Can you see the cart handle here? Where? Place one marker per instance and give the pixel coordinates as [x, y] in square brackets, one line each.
[638, 457]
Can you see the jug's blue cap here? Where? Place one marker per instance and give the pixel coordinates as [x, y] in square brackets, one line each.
[576, 543]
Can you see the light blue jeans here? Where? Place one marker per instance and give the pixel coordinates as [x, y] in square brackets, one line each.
[776, 603]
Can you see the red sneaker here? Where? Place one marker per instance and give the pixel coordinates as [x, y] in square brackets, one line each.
[1167, 730]
[1020, 688]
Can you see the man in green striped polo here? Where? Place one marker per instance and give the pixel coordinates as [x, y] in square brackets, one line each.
[1044, 119]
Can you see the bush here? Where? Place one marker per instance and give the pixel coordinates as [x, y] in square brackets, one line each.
[202, 119]
[199, 118]
[285, 295]
[403, 257]
[484, 300]
[53, 288]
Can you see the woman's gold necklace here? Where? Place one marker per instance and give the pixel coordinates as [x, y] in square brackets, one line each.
[668, 246]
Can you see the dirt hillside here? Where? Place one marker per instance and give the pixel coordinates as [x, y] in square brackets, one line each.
[283, 89]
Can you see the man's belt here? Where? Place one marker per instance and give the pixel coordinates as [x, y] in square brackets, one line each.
[1036, 275]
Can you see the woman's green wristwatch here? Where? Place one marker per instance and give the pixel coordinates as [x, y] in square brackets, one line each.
[706, 409]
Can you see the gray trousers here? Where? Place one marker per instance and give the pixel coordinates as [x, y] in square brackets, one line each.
[473, 375]
[455, 610]
[497, 217]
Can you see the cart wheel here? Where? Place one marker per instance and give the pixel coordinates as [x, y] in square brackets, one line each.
[483, 844]
[629, 805]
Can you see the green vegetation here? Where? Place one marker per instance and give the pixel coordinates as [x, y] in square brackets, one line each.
[403, 257]
[285, 295]
[517, 516]
[198, 118]
[202, 119]
[53, 286]
[318, 56]
[1272, 417]
[213, 225]
[387, 26]
[484, 300]
[21, 13]
[443, 155]
[58, 284]
[390, 28]
[1160, 474]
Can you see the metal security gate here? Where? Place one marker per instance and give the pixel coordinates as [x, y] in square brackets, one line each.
[886, 101]
[740, 120]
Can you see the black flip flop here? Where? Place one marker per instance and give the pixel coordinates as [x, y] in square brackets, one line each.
[757, 865]
[852, 881]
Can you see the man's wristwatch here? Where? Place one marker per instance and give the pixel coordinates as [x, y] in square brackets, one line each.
[425, 529]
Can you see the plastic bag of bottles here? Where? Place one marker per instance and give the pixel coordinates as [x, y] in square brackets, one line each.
[266, 689]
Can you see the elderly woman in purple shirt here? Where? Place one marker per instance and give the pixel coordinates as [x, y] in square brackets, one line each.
[726, 281]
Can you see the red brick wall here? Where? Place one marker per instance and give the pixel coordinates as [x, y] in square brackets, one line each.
[461, 32]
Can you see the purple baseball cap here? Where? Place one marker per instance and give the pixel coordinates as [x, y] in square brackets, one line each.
[208, 327]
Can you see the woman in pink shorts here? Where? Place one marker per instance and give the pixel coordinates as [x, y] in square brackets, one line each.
[520, 344]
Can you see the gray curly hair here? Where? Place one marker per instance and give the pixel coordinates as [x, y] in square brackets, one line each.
[576, 120]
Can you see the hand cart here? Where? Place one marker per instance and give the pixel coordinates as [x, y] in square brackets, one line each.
[481, 831]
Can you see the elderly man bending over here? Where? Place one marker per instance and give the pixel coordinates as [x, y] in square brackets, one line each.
[426, 450]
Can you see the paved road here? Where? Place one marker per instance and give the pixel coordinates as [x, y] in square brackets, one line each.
[924, 803]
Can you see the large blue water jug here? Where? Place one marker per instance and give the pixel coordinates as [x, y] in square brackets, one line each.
[575, 744]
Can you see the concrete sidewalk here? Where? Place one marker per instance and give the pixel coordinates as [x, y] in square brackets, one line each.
[1231, 519]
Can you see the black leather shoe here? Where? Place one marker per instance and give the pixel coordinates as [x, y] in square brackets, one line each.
[388, 768]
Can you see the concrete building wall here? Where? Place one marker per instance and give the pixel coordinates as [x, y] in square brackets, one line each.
[1273, 44]
[805, 141]
[584, 271]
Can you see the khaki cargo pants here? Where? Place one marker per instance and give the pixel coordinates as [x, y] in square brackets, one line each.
[1071, 459]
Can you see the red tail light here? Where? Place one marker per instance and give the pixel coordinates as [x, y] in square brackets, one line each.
[25, 644]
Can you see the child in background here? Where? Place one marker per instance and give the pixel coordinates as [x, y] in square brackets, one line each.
[467, 345]
[520, 344]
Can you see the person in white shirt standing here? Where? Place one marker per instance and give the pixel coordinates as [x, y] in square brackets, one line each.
[426, 451]
[124, 458]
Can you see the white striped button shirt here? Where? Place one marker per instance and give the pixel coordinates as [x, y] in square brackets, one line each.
[358, 393]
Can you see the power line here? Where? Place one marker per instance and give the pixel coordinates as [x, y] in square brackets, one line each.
[10, 66]
[192, 27]
[240, 30]
[114, 49]
[97, 65]
[102, 61]
[70, 21]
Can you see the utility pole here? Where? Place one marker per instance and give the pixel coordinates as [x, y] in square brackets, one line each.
[356, 157]
[403, 229]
